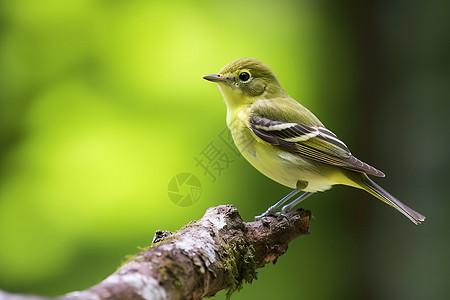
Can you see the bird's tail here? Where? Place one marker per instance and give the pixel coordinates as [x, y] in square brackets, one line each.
[374, 189]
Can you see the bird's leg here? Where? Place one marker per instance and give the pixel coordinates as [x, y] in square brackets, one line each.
[271, 210]
[289, 207]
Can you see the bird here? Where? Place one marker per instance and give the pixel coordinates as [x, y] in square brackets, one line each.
[286, 142]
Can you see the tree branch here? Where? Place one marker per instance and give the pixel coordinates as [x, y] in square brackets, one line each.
[219, 251]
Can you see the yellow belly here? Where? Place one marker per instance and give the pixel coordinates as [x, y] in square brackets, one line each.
[286, 168]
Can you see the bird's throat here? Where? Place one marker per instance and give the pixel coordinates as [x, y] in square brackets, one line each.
[233, 97]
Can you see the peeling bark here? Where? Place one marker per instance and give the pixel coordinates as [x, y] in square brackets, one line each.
[219, 251]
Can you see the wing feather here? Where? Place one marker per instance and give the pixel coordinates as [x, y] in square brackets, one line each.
[314, 142]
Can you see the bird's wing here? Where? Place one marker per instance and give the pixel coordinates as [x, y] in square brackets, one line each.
[311, 141]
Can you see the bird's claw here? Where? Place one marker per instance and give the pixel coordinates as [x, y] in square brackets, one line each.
[265, 214]
[280, 216]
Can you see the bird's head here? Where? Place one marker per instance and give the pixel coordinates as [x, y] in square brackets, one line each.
[245, 81]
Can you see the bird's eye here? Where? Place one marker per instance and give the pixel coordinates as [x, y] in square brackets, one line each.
[244, 76]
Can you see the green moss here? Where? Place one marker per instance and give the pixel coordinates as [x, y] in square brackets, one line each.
[240, 266]
[172, 273]
[128, 258]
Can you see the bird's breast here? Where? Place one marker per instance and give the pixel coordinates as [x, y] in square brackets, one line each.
[281, 166]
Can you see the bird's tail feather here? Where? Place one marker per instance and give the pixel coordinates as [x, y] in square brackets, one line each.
[374, 189]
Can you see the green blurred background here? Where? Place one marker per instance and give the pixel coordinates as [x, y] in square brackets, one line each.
[102, 103]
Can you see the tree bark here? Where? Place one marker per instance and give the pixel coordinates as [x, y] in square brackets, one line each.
[219, 251]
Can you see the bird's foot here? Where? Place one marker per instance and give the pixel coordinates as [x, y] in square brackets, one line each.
[280, 216]
[268, 212]
[286, 209]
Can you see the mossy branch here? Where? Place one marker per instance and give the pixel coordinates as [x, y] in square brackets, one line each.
[219, 251]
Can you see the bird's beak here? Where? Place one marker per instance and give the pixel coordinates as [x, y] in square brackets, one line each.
[216, 78]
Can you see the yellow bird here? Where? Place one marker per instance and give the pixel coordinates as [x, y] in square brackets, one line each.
[286, 142]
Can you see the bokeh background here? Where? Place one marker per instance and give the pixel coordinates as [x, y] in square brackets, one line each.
[102, 103]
